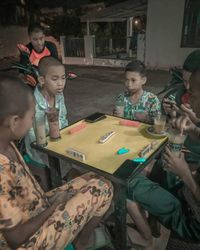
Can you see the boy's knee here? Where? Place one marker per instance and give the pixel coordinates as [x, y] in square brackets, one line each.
[87, 176]
[104, 185]
[139, 186]
[109, 187]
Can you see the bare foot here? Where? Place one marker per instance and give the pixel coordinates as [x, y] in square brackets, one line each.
[137, 238]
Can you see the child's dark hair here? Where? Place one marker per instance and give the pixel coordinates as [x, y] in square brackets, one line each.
[192, 61]
[35, 27]
[14, 97]
[136, 66]
[47, 62]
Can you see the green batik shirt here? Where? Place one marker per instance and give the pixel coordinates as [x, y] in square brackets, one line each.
[148, 102]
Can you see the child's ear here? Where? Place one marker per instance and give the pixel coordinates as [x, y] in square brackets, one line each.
[13, 123]
[144, 80]
[41, 80]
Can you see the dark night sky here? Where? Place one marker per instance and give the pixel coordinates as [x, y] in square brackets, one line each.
[73, 3]
[68, 4]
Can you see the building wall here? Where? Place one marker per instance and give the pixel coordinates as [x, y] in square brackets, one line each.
[9, 37]
[163, 34]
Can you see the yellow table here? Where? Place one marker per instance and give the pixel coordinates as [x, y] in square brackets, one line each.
[103, 158]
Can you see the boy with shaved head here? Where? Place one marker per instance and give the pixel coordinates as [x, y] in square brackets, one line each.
[29, 217]
[49, 91]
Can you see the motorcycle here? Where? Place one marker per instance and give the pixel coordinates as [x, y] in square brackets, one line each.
[29, 71]
[175, 82]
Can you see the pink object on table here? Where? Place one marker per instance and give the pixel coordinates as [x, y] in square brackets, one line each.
[129, 123]
[77, 128]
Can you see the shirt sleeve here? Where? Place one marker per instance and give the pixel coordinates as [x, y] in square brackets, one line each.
[10, 213]
[119, 101]
[24, 59]
[63, 114]
[52, 48]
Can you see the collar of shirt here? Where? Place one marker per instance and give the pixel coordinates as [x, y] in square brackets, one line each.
[41, 100]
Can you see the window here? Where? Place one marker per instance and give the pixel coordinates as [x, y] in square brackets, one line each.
[191, 24]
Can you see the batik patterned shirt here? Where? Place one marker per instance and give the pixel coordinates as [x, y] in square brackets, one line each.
[21, 197]
[148, 103]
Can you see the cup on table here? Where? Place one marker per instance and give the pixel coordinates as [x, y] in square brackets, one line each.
[175, 141]
[119, 111]
[175, 144]
[53, 120]
[159, 124]
[39, 127]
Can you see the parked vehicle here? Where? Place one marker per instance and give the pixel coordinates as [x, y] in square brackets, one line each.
[30, 72]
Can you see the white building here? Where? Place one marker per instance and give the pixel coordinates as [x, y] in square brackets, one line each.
[172, 32]
[165, 24]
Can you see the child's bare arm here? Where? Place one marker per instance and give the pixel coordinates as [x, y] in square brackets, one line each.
[180, 167]
[19, 234]
[193, 186]
[185, 125]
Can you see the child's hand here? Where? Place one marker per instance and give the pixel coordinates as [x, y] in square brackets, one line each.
[177, 165]
[184, 124]
[168, 106]
[115, 112]
[190, 113]
[142, 116]
[118, 111]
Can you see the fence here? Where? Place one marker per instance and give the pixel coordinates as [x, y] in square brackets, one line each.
[74, 47]
[92, 50]
[110, 47]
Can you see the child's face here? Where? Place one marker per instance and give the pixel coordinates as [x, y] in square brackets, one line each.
[134, 81]
[20, 126]
[195, 94]
[37, 39]
[54, 80]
